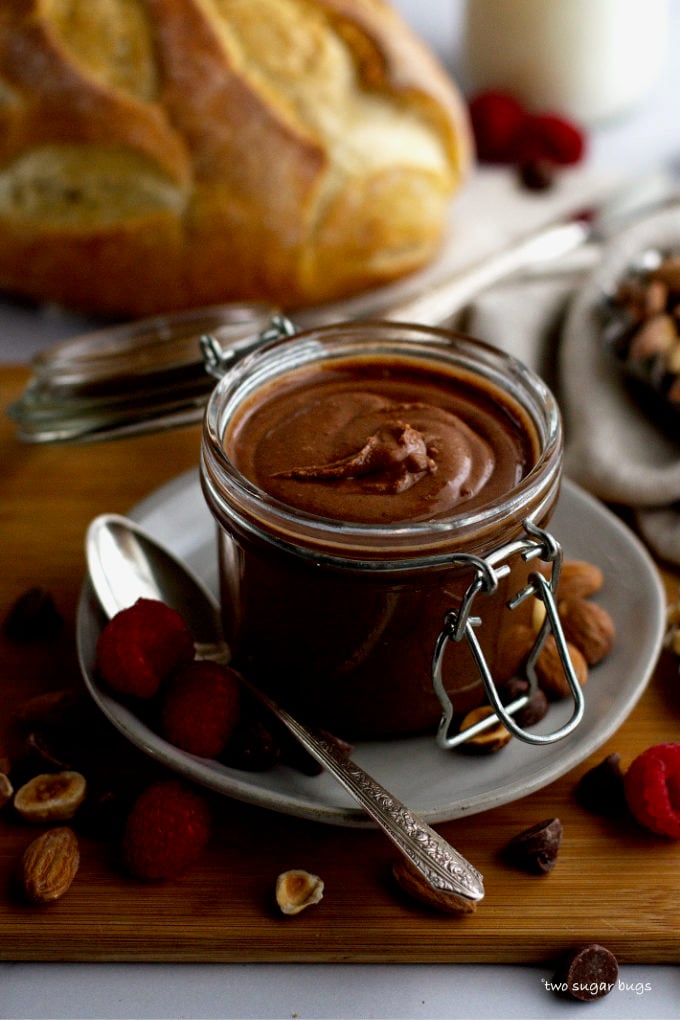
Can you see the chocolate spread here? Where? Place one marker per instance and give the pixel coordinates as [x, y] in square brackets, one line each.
[380, 443]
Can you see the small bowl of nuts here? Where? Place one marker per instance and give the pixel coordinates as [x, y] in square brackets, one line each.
[640, 313]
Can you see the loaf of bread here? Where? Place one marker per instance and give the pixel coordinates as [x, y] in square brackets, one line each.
[164, 154]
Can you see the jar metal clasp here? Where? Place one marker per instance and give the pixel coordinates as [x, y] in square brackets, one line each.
[459, 625]
[217, 360]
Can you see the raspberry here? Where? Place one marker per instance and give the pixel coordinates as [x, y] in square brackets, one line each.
[652, 787]
[201, 708]
[166, 830]
[507, 133]
[141, 646]
[497, 120]
[551, 138]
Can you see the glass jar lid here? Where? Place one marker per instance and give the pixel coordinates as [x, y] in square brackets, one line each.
[144, 376]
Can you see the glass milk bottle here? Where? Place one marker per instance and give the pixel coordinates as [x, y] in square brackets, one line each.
[588, 59]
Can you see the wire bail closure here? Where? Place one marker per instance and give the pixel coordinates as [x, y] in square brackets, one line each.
[217, 360]
[460, 624]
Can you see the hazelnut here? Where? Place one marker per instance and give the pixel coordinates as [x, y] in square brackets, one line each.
[489, 740]
[655, 336]
[50, 797]
[296, 890]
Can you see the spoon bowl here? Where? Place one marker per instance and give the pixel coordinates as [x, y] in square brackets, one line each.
[125, 563]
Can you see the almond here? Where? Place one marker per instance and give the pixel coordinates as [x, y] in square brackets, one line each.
[513, 651]
[413, 883]
[588, 626]
[50, 709]
[50, 864]
[550, 672]
[579, 579]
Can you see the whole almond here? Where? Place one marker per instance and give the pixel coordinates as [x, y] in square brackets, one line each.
[513, 651]
[50, 709]
[588, 626]
[550, 671]
[579, 579]
[413, 883]
[50, 864]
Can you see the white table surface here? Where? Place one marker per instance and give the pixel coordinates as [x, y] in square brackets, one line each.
[350, 991]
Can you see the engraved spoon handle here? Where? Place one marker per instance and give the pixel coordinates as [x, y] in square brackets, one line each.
[442, 867]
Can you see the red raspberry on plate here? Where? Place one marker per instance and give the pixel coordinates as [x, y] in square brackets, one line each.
[497, 120]
[201, 708]
[652, 787]
[166, 830]
[140, 647]
[546, 136]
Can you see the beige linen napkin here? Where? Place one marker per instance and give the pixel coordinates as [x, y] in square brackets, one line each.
[612, 448]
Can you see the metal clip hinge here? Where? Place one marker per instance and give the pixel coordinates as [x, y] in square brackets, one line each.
[460, 625]
[217, 360]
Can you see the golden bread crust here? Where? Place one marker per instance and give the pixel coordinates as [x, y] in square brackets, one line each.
[162, 154]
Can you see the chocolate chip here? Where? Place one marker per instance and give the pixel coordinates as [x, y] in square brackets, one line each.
[534, 710]
[587, 973]
[33, 617]
[535, 849]
[513, 689]
[103, 815]
[601, 788]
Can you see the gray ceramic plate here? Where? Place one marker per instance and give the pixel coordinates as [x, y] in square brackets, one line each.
[439, 785]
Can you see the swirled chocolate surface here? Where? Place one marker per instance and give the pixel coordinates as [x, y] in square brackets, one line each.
[381, 442]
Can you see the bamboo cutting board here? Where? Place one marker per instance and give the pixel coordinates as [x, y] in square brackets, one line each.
[613, 883]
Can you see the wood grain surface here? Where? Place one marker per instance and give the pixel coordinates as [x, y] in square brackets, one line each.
[613, 882]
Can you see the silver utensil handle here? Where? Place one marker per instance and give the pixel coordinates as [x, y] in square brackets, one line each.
[439, 302]
[441, 866]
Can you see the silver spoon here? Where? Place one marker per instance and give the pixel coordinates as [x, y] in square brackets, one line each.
[125, 563]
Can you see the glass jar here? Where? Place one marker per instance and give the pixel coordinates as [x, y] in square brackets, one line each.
[348, 623]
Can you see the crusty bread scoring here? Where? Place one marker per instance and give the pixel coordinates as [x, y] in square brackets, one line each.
[162, 154]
